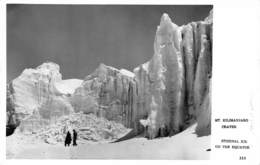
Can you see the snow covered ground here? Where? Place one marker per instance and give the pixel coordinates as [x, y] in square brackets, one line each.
[185, 145]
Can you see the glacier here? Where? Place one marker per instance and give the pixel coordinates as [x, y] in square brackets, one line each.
[161, 97]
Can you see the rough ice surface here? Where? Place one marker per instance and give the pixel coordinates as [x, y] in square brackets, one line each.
[90, 128]
[178, 78]
[161, 97]
[112, 93]
[39, 96]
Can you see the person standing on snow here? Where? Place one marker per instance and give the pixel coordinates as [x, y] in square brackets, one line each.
[75, 136]
[68, 139]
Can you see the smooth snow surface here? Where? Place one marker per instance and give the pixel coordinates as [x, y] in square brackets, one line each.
[67, 86]
[185, 145]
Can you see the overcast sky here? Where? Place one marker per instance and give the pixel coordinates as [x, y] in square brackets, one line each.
[79, 37]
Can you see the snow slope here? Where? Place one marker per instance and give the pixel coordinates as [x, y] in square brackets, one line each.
[67, 86]
[127, 73]
[185, 145]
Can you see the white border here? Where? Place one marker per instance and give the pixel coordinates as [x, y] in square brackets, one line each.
[236, 49]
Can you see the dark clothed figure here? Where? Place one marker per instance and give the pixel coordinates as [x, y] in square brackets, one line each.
[68, 139]
[75, 136]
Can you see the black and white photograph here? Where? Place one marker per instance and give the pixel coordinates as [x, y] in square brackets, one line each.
[108, 81]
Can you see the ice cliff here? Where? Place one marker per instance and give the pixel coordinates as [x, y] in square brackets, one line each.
[178, 78]
[161, 97]
[39, 96]
[110, 93]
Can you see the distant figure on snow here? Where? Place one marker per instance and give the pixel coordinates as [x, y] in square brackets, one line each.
[68, 139]
[75, 135]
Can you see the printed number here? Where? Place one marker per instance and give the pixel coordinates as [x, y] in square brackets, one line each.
[242, 158]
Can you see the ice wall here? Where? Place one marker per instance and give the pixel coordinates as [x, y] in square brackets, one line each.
[178, 78]
[34, 99]
[109, 93]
